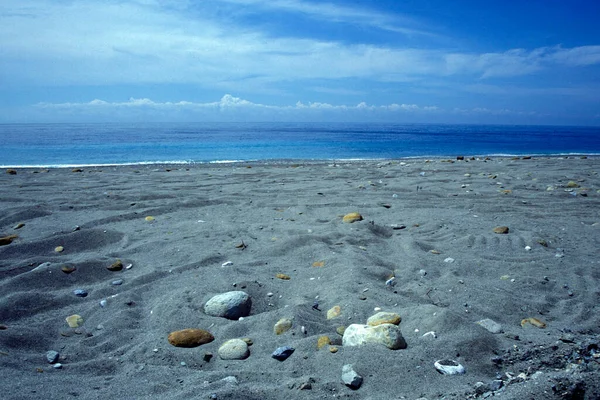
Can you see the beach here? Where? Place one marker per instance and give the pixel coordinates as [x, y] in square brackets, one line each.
[491, 263]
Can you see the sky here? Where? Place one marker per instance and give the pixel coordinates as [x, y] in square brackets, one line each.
[402, 61]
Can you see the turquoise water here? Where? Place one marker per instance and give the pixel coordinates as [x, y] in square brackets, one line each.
[98, 144]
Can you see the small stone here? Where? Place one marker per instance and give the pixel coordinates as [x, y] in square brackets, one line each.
[117, 282]
[334, 312]
[282, 353]
[76, 170]
[11, 171]
[572, 184]
[6, 240]
[501, 230]
[283, 277]
[305, 386]
[67, 269]
[340, 330]
[57, 366]
[116, 266]
[350, 377]
[74, 320]
[52, 356]
[388, 335]
[248, 341]
[490, 325]
[149, 218]
[59, 249]
[323, 341]
[542, 242]
[234, 349]
[103, 303]
[435, 251]
[207, 357]
[362, 297]
[227, 264]
[449, 367]
[80, 293]
[230, 305]
[283, 325]
[333, 349]
[19, 225]
[190, 338]
[449, 260]
[352, 217]
[384, 318]
[527, 248]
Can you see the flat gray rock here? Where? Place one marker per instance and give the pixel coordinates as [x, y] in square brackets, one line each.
[490, 325]
[350, 378]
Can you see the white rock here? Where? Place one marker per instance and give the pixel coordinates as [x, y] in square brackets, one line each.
[350, 377]
[386, 334]
[230, 305]
[491, 325]
[449, 260]
[234, 349]
[449, 367]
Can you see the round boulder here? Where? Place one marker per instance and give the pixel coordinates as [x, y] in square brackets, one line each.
[234, 349]
[230, 305]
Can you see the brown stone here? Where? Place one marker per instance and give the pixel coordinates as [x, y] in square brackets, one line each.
[116, 266]
[7, 239]
[283, 277]
[67, 269]
[383, 317]
[501, 230]
[11, 171]
[190, 337]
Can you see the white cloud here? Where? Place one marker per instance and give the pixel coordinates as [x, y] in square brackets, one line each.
[112, 43]
[228, 102]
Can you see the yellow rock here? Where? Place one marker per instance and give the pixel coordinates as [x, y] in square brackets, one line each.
[190, 337]
[283, 325]
[149, 218]
[333, 349]
[74, 320]
[323, 341]
[67, 269]
[352, 217]
[383, 317]
[501, 230]
[283, 276]
[319, 264]
[116, 266]
[435, 252]
[572, 184]
[59, 249]
[333, 312]
[533, 321]
[340, 330]
[7, 239]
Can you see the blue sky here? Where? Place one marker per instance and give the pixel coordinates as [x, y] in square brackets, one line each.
[463, 61]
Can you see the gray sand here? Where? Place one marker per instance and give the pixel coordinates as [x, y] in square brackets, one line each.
[288, 217]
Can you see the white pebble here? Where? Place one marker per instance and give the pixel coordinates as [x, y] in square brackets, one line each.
[527, 248]
[449, 260]
[103, 303]
[57, 366]
[129, 266]
[377, 309]
[226, 264]
[270, 294]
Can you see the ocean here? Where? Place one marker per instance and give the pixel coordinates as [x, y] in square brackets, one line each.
[54, 145]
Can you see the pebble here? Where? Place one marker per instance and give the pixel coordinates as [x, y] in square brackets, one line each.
[67, 269]
[234, 349]
[52, 356]
[80, 293]
[283, 277]
[19, 225]
[391, 281]
[422, 272]
[352, 217]
[384, 317]
[449, 260]
[334, 312]
[116, 266]
[283, 325]
[57, 366]
[117, 282]
[59, 249]
[388, 335]
[501, 230]
[226, 264]
[74, 320]
[449, 367]
[323, 341]
[350, 378]
[190, 338]
[230, 305]
[282, 353]
[490, 325]
[340, 330]
[103, 303]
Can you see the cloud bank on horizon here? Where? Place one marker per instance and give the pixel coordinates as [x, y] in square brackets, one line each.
[300, 60]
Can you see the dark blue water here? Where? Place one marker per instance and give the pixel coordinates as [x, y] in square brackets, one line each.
[96, 144]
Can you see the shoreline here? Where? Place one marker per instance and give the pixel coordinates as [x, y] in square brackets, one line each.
[277, 161]
[275, 230]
